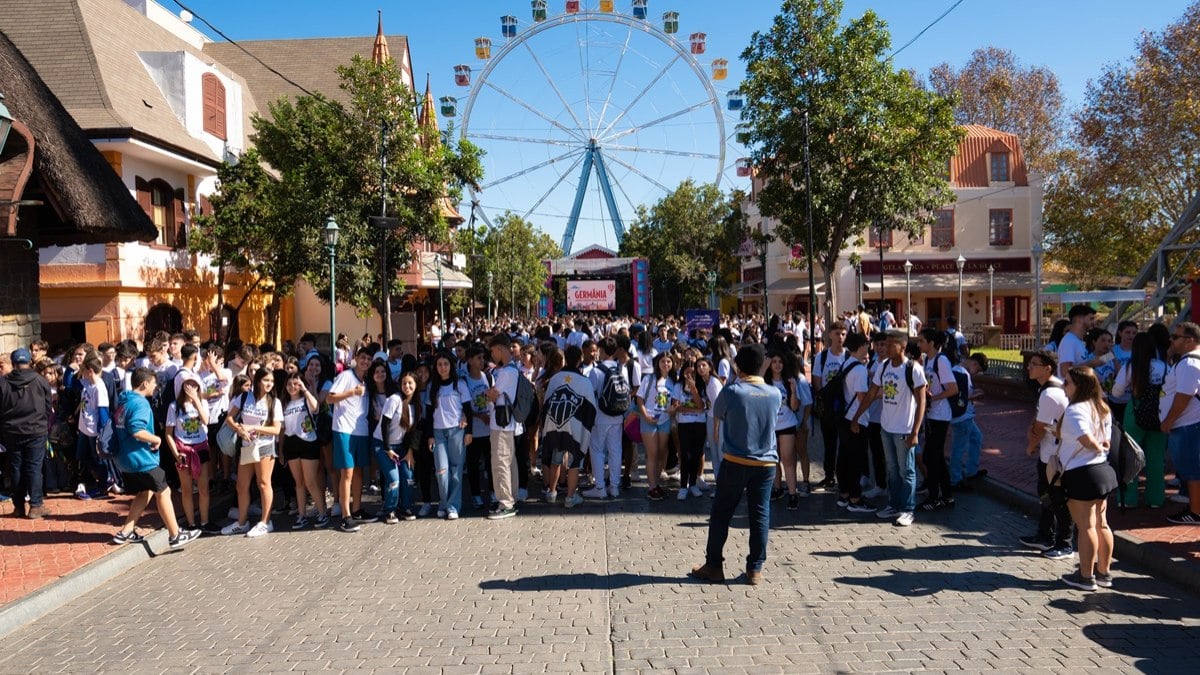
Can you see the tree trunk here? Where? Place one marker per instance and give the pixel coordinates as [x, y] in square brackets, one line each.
[216, 332]
[272, 318]
[829, 266]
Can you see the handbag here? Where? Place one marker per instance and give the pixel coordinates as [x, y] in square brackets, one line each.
[228, 442]
[633, 427]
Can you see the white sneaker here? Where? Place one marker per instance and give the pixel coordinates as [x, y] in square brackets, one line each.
[551, 497]
[235, 528]
[260, 529]
[595, 493]
[683, 494]
[905, 519]
[451, 514]
[696, 491]
[887, 512]
[702, 485]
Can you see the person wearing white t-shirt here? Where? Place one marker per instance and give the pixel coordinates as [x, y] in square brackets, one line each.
[901, 385]
[1087, 478]
[829, 363]
[187, 439]
[351, 440]
[653, 402]
[94, 413]
[302, 450]
[1140, 380]
[502, 395]
[449, 419]
[942, 387]
[878, 465]
[1053, 536]
[1179, 409]
[852, 458]
[257, 419]
[1072, 350]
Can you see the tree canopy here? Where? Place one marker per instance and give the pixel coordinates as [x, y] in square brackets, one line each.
[684, 236]
[514, 253]
[879, 142]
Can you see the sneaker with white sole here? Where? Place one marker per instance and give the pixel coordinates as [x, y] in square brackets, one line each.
[1104, 580]
[1075, 580]
[127, 538]
[887, 512]
[1062, 553]
[260, 529]
[904, 519]
[860, 507]
[595, 493]
[573, 501]
[184, 538]
[235, 528]
[82, 493]
[702, 485]
[683, 494]
[348, 525]
[322, 520]
[1184, 517]
[696, 491]
[451, 514]
[301, 523]
[551, 497]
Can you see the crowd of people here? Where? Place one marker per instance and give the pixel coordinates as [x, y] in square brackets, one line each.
[484, 413]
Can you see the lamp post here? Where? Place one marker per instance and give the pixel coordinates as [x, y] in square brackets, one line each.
[882, 302]
[489, 282]
[441, 295]
[857, 283]
[1037, 292]
[991, 293]
[908, 287]
[711, 278]
[330, 237]
[6, 121]
[961, 262]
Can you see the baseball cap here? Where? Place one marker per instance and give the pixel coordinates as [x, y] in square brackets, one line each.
[21, 357]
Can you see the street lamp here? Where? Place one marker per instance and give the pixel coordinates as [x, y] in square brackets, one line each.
[489, 279]
[1037, 291]
[961, 262]
[330, 237]
[711, 278]
[6, 122]
[908, 288]
[441, 295]
[991, 293]
[857, 283]
[882, 302]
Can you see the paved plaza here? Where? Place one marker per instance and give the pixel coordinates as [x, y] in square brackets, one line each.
[602, 588]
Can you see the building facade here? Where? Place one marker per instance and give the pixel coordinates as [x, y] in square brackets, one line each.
[991, 226]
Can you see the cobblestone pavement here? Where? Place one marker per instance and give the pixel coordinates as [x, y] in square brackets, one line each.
[602, 588]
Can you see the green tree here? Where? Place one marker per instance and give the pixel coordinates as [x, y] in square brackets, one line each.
[328, 156]
[996, 90]
[1135, 142]
[684, 235]
[514, 253]
[879, 142]
[250, 212]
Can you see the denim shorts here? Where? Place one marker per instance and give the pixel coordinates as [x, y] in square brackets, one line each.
[663, 426]
[1184, 445]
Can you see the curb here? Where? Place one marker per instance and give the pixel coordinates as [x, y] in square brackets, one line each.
[23, 611]
[1126, 548]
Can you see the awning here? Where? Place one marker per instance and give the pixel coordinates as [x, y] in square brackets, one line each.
[451, 277]
[793, 287]
[948, 283]
[746, 287]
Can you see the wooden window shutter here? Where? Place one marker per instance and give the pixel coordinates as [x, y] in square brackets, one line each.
[213, 95]
[177, 238]
[142, 187]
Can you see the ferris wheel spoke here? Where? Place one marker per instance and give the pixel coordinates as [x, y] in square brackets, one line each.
[523, 139]
[660, 151]
[634, 169]
[642, 93]
[535, 111]
[621, 189]
[553, 86]
[616, 73]
[583, 74]
[664, 118]
[531, 169]
[554, 187]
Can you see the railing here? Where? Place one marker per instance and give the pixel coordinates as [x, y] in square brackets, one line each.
[1012, 370]
[1025, 343]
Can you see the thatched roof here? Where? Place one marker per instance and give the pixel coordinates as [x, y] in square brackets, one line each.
[84, 201]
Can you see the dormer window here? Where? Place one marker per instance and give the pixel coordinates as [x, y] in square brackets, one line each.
[1000, 173]
[213, 94]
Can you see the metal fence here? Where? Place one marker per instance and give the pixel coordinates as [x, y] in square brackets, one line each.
[1012, 370]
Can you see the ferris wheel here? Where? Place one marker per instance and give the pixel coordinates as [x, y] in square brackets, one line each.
[587, 115]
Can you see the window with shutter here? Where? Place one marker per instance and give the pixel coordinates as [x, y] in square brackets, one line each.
[1000, 223]
[213, 93]
[179, 231]
[941, 235]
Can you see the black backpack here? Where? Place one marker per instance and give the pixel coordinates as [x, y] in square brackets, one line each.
[958, 402]
[615, 394]
[524, 407]
[832, 394]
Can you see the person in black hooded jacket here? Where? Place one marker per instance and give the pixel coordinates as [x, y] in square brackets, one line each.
[25, 404]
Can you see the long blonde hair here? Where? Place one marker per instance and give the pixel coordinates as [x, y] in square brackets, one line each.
[1088, 389]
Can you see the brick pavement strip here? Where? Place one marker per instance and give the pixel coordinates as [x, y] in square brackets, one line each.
[601, 588]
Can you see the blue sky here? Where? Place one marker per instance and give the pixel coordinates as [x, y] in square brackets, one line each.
[1074, 39]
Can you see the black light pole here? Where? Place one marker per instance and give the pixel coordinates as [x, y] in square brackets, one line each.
[881, 300]
[812, 254]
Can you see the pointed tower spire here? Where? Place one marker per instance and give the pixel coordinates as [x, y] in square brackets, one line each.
[427, 117]
[379, 53]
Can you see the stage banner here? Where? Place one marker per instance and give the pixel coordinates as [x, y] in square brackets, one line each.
[591, 295]
[705, 319]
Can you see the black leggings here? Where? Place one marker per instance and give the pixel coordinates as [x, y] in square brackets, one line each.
[852, 460]
[691, 449]
[423, 468]
[875, 442]
[479, 466]
[937, 474]
[829, 437]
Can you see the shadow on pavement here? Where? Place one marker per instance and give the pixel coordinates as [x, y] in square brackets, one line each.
[588, 581]
[1160, 648]
[944, 553]
[916, 584]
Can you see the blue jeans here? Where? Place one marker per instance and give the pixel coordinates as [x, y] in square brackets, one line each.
[25, 456]
[756, 482]
[449, 457]
[968, 442]
[392, 478]
[901, 471]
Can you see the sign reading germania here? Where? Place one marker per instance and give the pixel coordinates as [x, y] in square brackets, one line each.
[591, 295]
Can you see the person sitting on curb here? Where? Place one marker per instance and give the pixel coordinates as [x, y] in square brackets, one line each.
[137, 457]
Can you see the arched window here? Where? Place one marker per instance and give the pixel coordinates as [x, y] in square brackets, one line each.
[213, 94]
[163, 317]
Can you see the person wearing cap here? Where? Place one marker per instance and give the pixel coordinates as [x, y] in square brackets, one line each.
[25, 405]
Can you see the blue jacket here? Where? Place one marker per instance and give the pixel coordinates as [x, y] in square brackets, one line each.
[133, 414]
